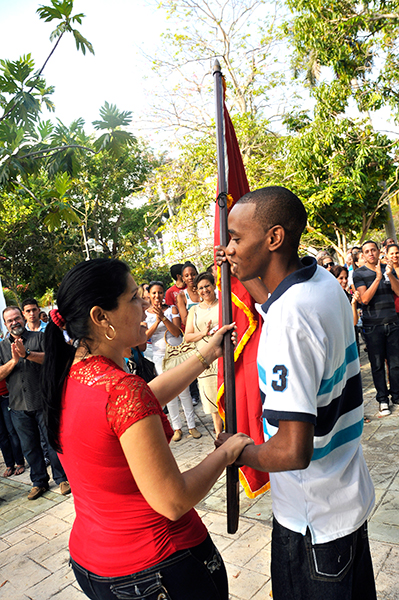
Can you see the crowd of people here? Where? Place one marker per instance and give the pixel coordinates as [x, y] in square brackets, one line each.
[23, 433]
[70, 399]
[370, 281]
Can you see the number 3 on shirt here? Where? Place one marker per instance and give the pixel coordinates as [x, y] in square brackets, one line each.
[281, 383]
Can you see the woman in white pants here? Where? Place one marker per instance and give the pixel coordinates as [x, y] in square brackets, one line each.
[160, 319]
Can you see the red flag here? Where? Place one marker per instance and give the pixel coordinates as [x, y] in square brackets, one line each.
[248, 321]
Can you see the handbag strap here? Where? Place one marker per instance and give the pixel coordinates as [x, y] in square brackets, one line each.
[166, 341]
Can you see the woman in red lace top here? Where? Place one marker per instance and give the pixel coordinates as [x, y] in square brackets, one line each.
[136, 533]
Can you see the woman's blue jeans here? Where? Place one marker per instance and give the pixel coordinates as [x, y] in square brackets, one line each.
[337, 570]
[194, 574]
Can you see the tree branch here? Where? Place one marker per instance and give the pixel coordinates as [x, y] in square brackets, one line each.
[37, 77]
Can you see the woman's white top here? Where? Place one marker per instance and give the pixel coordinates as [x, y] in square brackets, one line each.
[158, 337]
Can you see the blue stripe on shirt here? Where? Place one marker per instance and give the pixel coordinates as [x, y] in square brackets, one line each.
[262, 374]
[327, 385]
[339, 439]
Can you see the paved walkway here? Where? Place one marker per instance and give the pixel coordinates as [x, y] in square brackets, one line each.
[34, 535]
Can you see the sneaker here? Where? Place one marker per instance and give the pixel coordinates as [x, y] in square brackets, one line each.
[384, 410]
[65, 488]
[195, 401]
[37, 491]
[195, 433]
[177, 436]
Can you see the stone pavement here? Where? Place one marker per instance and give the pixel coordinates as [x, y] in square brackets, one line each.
[34, 535]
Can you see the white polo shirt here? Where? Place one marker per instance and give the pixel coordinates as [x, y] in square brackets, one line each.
[309, 371]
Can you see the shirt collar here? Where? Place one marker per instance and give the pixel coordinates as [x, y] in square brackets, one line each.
[306, 272]
[23, 336]
[42, 327]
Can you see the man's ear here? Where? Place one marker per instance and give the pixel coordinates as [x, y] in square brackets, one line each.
[276, 236]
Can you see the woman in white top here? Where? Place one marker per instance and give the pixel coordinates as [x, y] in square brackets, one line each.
[202, 323]
[160, 319]
[188, 297]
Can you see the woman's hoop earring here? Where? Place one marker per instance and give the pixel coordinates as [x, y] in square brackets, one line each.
[112, 329]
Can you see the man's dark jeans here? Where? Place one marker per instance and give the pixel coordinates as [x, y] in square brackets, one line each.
[194, 574]
[383, 343]
[28, 424]
[9, 440]
[337, 570]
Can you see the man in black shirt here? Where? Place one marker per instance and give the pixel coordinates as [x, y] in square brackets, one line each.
[21, 356]
[376, 283]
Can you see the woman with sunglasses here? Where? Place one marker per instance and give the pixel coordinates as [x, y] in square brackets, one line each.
[160, 320]
[136, 533]
[326, 261]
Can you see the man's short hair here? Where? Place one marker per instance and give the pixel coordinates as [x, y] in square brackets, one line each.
[29, 301]
[370, 242]
[7, 308]
[175, 270]
[276, 205]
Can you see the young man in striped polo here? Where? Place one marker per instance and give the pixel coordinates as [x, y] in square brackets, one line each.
[309, 377]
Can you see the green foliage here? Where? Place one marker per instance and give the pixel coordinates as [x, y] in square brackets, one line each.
[34, 255]
[115, 140]
[61, 10]
[341, 168]
[48, 298]
[357, 40]
[144, 274]
[112, 118]
[24, 141]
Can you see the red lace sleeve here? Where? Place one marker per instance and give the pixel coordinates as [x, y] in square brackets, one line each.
[130, 401]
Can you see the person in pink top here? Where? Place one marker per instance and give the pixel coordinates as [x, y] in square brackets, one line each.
[136, 533]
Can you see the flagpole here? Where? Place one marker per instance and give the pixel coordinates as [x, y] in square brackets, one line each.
[227, 313]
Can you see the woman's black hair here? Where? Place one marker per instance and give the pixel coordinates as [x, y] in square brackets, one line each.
[391, 246]
[206, 275]
[188, 264]
[98, 282]
[336, 270]
[152, 283]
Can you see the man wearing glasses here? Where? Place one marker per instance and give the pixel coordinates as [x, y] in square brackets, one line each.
[21, 357]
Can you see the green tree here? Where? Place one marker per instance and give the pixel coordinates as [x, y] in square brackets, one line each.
[46, 209]
[244, 36]
[23, 92]
[34, 257]
[345, 172]
[356, 40]
[105, 190]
